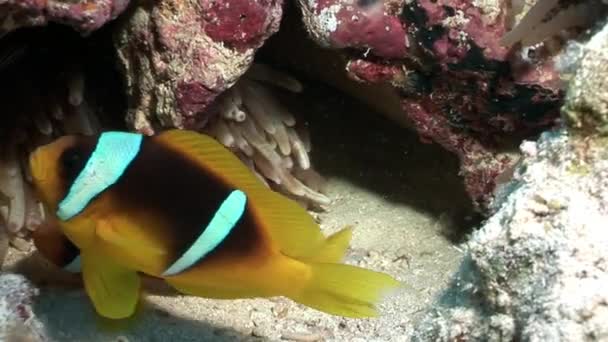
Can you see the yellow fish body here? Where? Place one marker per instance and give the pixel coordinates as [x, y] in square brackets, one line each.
[182, 207]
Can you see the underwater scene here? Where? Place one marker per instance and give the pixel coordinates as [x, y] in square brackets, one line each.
[276, 170]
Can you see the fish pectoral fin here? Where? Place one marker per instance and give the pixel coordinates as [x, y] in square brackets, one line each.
[107, 232]
[113, 289]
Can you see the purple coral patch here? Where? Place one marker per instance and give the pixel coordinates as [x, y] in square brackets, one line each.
[362, 70]
[193, 97]
[371, 28]
[239, 24]
[479, 167]
[84, 16]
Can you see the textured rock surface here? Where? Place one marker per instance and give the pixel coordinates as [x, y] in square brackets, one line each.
[178, 56]
[587, 106]
[84, 16]
[459, 86]
[537, 269]
[17, 320]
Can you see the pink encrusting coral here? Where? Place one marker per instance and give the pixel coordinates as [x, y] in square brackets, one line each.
[178, 56]
[460, 85]
[84, 16]
[369, 25]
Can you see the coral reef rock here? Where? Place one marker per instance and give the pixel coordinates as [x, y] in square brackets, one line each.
[84, 16]
[178, 56]
[537, 270]
[181, 61]
[587, 106]
[17, 320]
[464, 81]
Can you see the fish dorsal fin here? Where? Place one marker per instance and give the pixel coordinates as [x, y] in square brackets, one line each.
[212, 156]
[293, 229]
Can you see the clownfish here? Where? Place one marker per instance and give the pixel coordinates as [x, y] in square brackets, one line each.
[181, 207]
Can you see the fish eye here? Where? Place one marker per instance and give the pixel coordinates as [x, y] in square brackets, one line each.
[72, 161]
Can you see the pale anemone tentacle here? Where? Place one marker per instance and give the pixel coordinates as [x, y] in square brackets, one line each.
[547, 18]
[20, 211]
[265, 134]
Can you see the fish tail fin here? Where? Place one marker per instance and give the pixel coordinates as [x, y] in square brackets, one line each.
[345, 290]
[335, 247]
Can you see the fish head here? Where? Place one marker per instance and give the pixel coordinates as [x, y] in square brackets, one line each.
[55, 166]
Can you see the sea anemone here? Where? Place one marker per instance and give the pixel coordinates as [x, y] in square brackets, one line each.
[43, 97]
[547, 18]
[267, 136]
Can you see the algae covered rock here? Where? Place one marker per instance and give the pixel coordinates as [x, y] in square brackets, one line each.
[537, 269]
[587, 100]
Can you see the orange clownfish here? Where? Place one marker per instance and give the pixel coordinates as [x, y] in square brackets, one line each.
[181, 207]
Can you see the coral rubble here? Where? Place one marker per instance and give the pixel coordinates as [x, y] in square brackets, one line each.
[537, 268]
[17, 320]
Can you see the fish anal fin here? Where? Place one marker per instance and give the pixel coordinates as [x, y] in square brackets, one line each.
[113, 289]
[211, 292]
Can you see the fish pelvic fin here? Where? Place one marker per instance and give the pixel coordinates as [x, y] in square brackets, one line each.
[113, 289]
[109, 325]
[345, 290]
